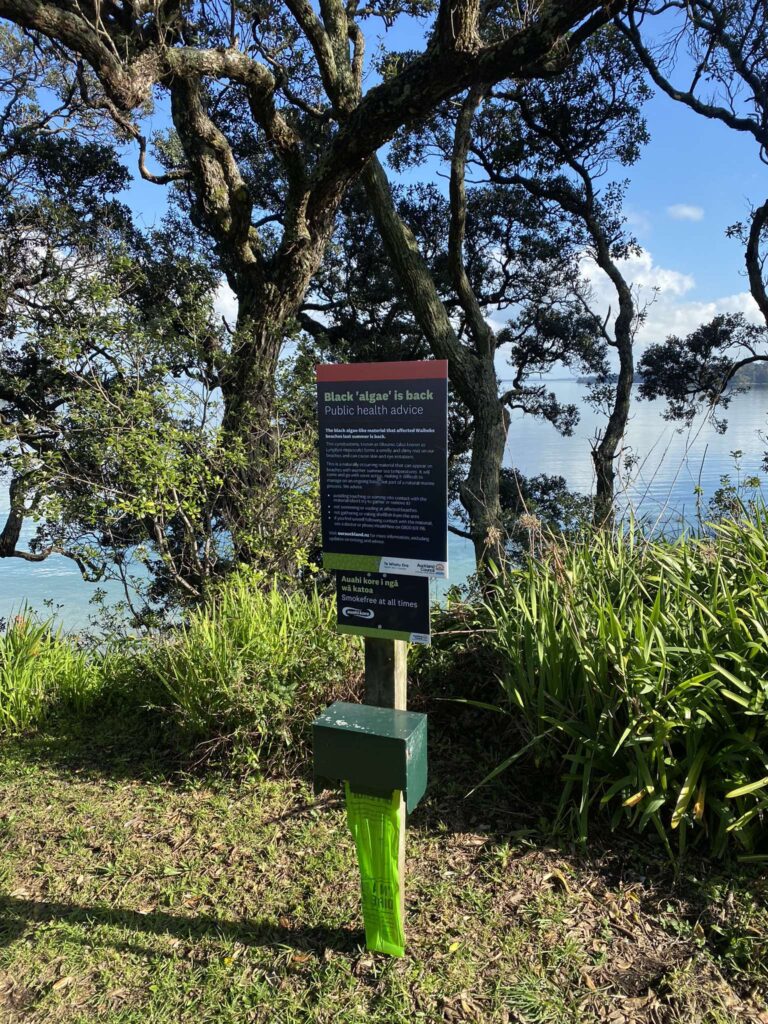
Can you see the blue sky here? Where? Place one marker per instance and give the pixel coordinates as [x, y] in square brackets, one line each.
[694, 162]
[694, 179]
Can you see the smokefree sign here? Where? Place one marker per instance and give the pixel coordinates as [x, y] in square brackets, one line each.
[383, 606]
[383, 466]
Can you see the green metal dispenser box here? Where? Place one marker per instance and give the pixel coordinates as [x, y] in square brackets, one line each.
[377, 750]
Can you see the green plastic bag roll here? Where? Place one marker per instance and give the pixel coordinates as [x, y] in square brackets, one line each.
[375, 824]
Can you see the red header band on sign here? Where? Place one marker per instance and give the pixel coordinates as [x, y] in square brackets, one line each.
[426, 369]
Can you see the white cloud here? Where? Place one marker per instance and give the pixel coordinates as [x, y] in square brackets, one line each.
[651, 283]
[663, 290]
[684, 211]
[665, 318]
[641, 270]
[225, 303]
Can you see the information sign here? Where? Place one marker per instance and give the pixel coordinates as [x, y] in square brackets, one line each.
[383, 466]
[382, 605]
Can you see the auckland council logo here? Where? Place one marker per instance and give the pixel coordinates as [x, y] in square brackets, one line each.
[357, 613]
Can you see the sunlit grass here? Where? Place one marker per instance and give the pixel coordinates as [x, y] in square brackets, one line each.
[40, 670]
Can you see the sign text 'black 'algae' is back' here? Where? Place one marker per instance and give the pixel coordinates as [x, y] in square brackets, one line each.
[383, 466]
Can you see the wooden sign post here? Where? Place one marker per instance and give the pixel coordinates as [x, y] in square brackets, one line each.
[383, 442]
[386, 673]
[386, 686]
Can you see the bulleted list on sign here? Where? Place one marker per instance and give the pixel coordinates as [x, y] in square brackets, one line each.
[383, 433]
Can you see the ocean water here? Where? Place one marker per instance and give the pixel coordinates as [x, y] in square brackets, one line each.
[670, 465]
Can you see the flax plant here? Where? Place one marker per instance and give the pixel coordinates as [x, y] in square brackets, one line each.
[639, 668]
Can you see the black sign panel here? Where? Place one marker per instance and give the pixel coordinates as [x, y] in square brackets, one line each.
[383, 466]
[382, 605]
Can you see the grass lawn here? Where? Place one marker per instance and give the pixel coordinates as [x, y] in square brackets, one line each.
[132, 893]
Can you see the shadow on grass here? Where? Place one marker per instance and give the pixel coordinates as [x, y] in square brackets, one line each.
[17, 914]
[108, 743]
[132, 742]
[465, 745]
[512, 812]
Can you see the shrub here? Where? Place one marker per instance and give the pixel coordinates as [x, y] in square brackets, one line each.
[243, 674]
[639, 669]
[42, 671]
[250, 669]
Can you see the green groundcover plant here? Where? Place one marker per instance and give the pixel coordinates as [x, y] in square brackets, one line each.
[242, 675]
[249, 669]
[638, 669]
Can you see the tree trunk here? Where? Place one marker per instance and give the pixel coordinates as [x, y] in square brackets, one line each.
[473, 378]
[480, 491]
[11, 532]
[249, 422]
[605, 452]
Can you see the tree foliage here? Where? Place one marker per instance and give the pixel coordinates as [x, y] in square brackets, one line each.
[272, 123]
[523, 211]
[702, 368]
[113, 441]
[109, 444]
[110, 412]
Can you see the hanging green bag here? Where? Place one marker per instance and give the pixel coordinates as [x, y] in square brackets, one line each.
[375, 823]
